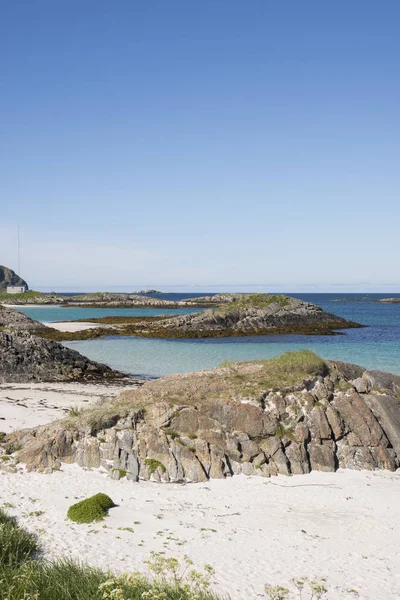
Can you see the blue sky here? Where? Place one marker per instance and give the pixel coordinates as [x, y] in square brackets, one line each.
[212, 143]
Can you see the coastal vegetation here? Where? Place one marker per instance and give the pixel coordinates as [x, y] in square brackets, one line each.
[246, 301]
[91, 509]
[25, 574]
[25, 297]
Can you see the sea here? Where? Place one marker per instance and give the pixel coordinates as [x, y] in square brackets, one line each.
[376, 346]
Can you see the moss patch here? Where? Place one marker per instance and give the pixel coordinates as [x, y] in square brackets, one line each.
[171, 433]
[254, 301]
[154, 465]
[122, 473]
[90, 510]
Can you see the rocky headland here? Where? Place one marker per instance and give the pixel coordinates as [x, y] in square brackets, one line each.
[390, 300]
[243, 315]
[8, 277]
[26, 357]
[288, 415]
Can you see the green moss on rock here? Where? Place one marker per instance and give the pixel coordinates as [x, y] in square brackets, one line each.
[90, 510]
[247, 301]
[154, 464]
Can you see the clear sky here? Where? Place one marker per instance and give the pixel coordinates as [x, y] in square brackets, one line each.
[208, 143]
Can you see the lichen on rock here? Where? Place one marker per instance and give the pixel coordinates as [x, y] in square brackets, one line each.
[288, 415]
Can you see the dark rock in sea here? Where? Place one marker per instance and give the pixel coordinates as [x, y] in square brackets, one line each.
[11, 318]
[288, 415]
[8, 277]
[247, 314]
[25, 358]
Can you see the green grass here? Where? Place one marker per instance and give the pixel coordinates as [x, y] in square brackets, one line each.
[122, 473]
[29, 295]
[90, 510]
[75, 411]
[248, 379]
[154, 465]
[24, 574]
[288, 369]
[282, 431]
[171, 433]
[255, 301]
[16, 544]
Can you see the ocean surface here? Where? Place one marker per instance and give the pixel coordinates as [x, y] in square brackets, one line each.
[57, 313]
[376, 346]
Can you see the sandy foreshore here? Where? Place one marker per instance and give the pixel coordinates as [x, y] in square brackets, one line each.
[25, 405]
[70, 326]
[343, 526]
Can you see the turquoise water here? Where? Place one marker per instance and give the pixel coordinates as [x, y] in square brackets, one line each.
[376, 346]
[57, 313]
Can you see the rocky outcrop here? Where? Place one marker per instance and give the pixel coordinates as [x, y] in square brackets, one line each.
[11, 318]
[289, 415]
[25, 357]
[390, 300]
[8, 277]
[247, 314]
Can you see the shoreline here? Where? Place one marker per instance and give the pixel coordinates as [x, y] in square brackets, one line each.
[27, 405]
[252, 531]
[73, 326]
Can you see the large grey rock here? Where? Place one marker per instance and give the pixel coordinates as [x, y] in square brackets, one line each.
[13, 319]
[288, 430]
[25, 358]
[378, 380]
[386, 410]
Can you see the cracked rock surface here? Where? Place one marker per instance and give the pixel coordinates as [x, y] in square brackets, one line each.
[288, 415]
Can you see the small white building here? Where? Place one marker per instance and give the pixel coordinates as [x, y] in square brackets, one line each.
[16, 289]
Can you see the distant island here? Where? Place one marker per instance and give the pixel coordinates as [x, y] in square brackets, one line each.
[230, 315]
[101, 300]
[244, 315]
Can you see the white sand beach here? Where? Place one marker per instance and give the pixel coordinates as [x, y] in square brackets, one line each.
[343, 526]
[70, 326]
[25, 405]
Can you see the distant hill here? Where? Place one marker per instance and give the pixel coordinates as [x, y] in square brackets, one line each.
[9, 277]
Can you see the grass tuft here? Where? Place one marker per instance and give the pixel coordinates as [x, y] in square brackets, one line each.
[24, 574]
[16, 544]
[154, 465]
[247, 301]
[90, 510]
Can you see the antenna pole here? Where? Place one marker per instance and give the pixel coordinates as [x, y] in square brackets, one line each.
[19, 254]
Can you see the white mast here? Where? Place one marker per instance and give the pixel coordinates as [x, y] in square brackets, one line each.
[19, 254]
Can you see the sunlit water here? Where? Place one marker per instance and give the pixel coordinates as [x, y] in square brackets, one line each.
[57, 313]
[376, 346]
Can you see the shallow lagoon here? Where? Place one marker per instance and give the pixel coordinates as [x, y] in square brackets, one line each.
[57, 313]
[376, 346]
